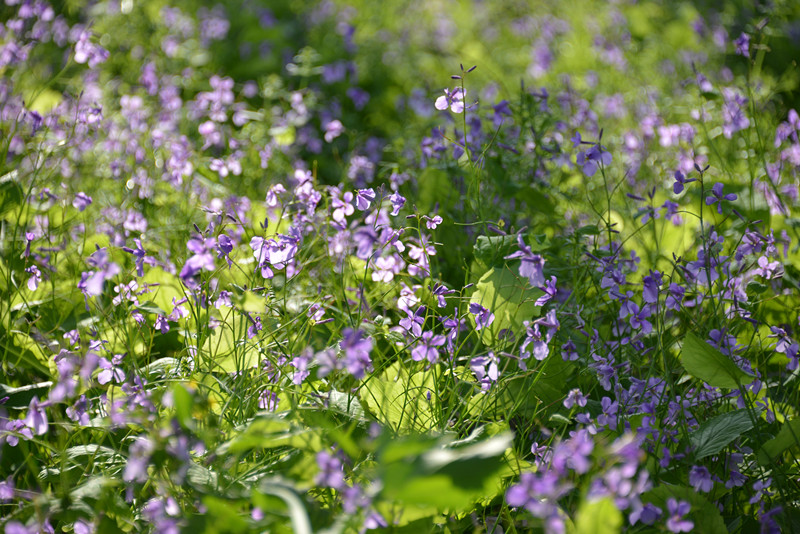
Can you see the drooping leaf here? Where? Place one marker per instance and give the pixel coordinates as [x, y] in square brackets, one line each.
[703, 361]
[284, 491]
[714, 434]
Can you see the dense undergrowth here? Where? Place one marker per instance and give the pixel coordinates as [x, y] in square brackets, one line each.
[457, 267]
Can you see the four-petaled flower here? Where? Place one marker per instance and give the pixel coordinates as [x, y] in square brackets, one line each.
[717, 197]
[452, 99]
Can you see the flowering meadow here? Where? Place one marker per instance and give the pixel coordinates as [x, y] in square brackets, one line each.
[441, 266]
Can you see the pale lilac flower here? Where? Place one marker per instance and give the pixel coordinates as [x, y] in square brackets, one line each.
[36, 277]
[432, 222]
[333, 129]
[454, 100]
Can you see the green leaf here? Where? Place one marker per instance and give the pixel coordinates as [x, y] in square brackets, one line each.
[705, 514]
[788, 436]
[183, 401]
[398, 398]
[509, 297]
[271, 431]
[20, 397]
[297, 511]
[703, 361]
[222, 516]
[435, 188]
[493, 249]
[600, 516]
[716, 433]
[426, 472]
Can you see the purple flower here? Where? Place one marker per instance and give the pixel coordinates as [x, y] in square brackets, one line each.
[91, 283]
[301, 364]
[333, 129]
[162, 324]
[454, 100]
[700, 479]
[413, 322]
[680, 182]
[331, 474]
[398, 201]
[356, 352]
[426, 348]
[485, 370]
[432, 222]
[7, 489]
[111, 370]
[742, 44]
[549, 292]
[139, 255]
[677, 510]
[364, 197]
[483, 317]
[255, 327]
[531, 265]
[717, 196]
[36, 277]
[36, 419]
[87, 52]
[81, 201]
[651, 284]
[575, 397]
[138, 460]
[593, 158]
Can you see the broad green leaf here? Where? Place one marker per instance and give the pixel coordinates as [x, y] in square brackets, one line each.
[229, 352]
[509, 297]
[703, 361]
[714, 434]
[598, 516]
[439, 476]
[704, 514]
[19, 398]
[788, 436]
[399, 398]
[164, 287]
[272, 431]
